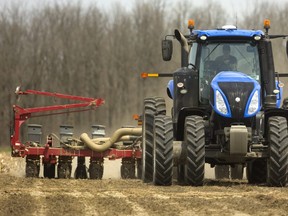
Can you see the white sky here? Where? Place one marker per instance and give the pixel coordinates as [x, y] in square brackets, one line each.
[233, 7]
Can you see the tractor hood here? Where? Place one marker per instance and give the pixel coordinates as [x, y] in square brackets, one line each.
[235, 95]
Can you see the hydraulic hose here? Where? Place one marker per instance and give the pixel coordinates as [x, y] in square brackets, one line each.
[102, 144]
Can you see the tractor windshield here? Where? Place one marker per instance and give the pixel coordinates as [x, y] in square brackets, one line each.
[217, 57]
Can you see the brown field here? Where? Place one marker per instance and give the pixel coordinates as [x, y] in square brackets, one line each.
[113, 196]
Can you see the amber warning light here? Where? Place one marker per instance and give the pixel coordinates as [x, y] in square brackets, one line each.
[191, 24]
[136, 117]
[266, 23]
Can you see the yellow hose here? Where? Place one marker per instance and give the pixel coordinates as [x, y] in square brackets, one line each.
[102, 144]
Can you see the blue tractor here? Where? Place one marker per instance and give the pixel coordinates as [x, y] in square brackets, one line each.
[226, 111]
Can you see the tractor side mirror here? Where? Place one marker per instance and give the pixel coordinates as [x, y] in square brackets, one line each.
[167, 50]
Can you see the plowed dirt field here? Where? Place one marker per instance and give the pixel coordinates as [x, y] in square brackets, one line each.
[110, 196]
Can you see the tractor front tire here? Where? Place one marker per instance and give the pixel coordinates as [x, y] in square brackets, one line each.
[163, 151]
[277, 163]
[194, 137]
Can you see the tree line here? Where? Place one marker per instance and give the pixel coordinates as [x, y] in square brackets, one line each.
[86, 51]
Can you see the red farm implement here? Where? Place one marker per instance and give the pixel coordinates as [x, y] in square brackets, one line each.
[58, 152]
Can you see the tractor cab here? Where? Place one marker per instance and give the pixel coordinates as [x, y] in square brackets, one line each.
[229, 72]
[234, 69]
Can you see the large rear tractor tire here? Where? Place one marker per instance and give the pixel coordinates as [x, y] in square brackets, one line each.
[152, 107]
[256, 171]
[277, 163]
[194, 137]
[163, 151]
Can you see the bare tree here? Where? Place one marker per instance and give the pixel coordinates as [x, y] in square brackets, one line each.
[85, 51]
[278, 16]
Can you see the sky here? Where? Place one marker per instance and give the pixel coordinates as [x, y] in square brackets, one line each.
[233, 7]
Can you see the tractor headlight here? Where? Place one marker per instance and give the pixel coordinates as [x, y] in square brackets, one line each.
[254, 104]
[220, 103]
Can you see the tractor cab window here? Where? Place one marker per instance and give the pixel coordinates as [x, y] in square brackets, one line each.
[218, 57]
[193, 54]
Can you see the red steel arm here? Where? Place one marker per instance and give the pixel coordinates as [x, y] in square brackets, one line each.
[22, 114]
[54, 94]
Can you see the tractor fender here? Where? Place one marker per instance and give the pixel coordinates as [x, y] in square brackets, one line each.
[184, 112]
[170, 89]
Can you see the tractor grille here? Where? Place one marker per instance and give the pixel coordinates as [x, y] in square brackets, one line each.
[232, 90]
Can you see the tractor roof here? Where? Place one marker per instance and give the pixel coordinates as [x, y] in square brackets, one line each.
[228, 31]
